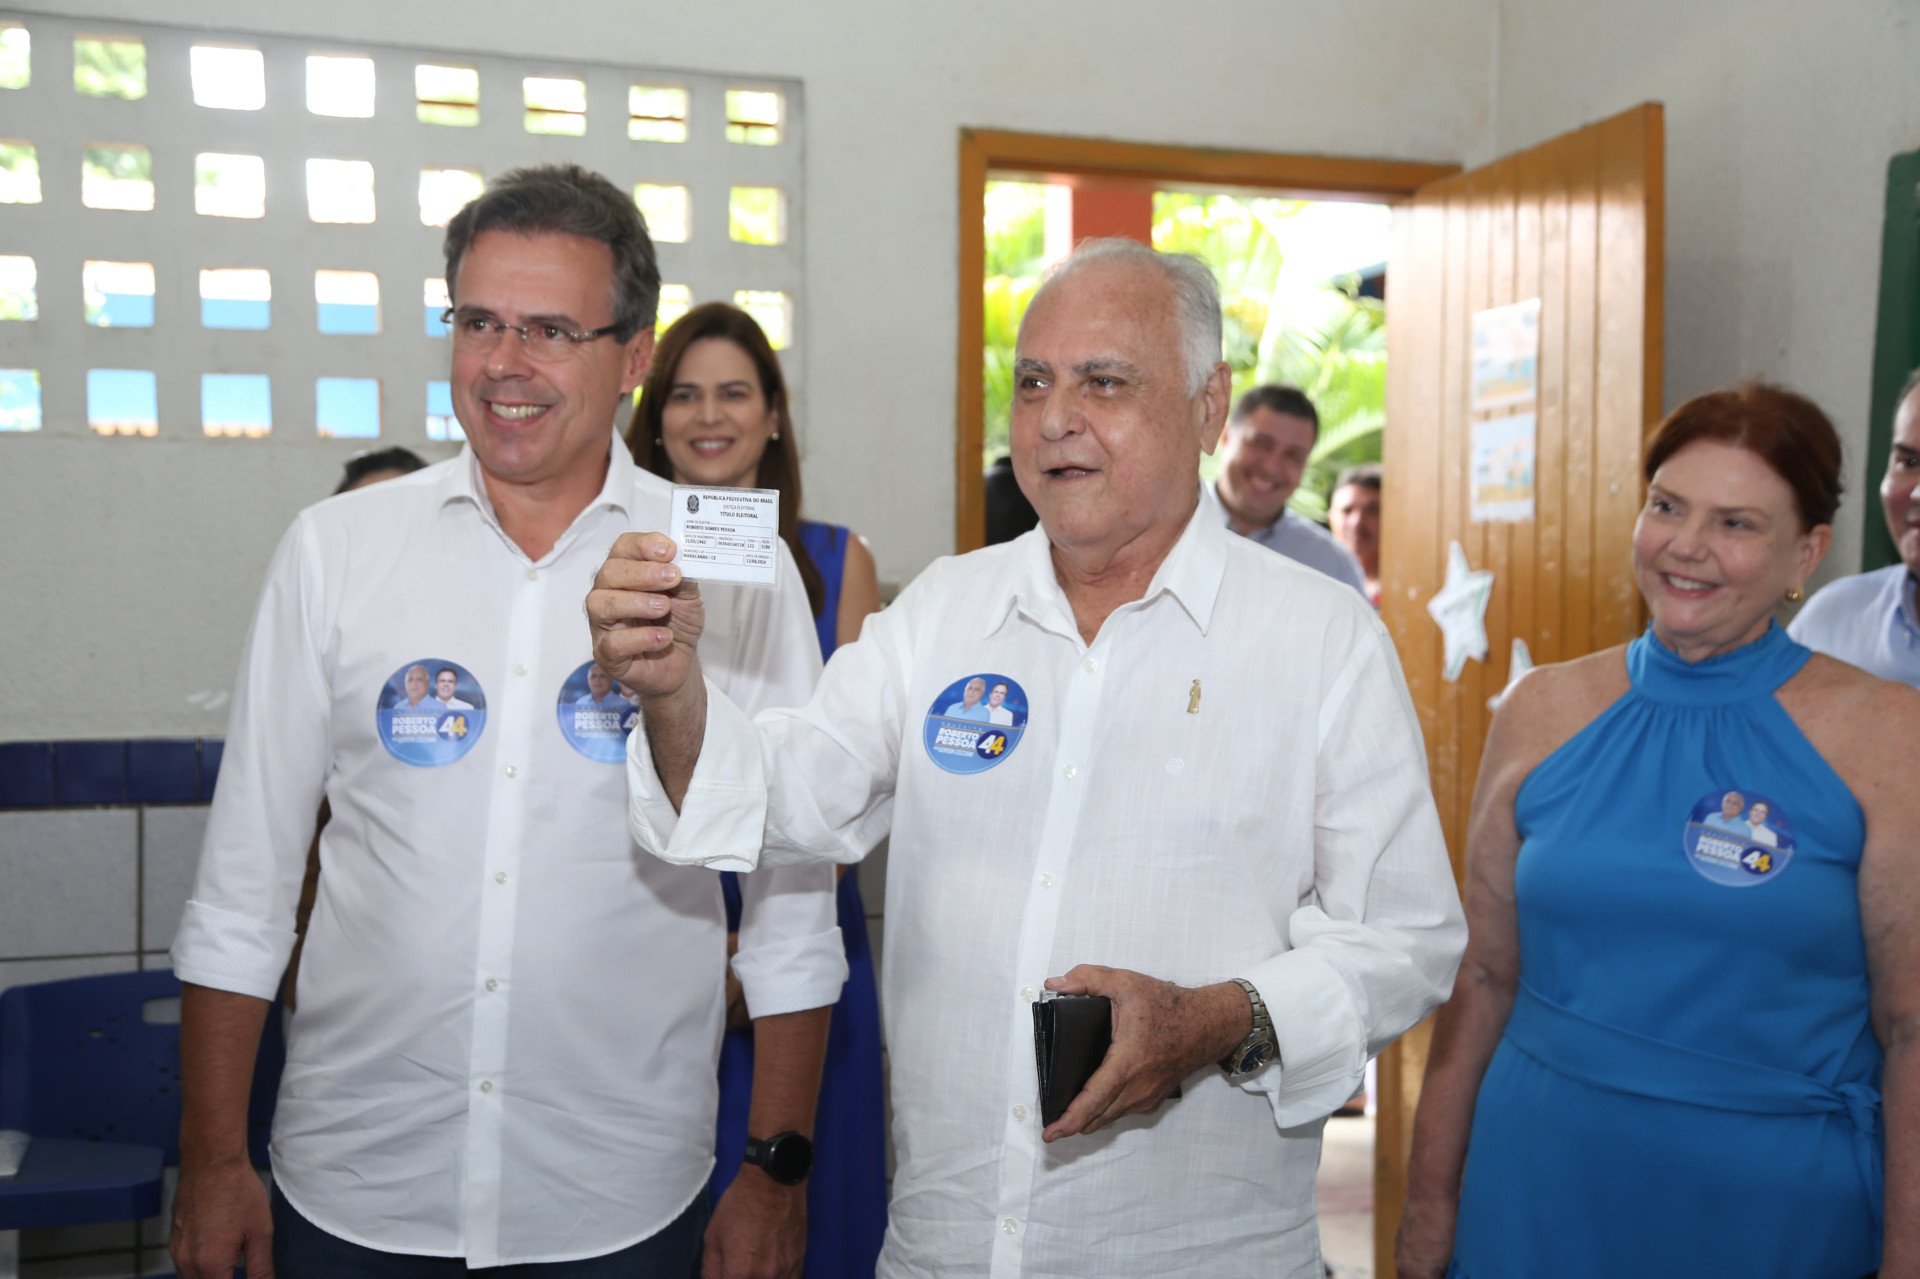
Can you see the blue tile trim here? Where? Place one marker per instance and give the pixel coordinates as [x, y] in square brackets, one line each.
[121, 771]
[90, 772]
[26, 774]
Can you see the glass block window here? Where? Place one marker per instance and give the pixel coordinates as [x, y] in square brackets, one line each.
[234, 165]
[757, 215]
[19, 172]
[236, 405]
[236, 298]
[110, 67]
[118, 295]
[16, 58]
[347, 408]
[666, 209]
[555, 105]
[444, 192]
[446, 95]
[228, 78]
[441, 423]
[229, 186]
[656, 113]
[772, 311]
[347, 301]
[753, 117]
[19, 399]
[117, 176]
[340, 86]
[340, 191]
[437, 302]
[123, 402]
[19, 288]
[675, 301]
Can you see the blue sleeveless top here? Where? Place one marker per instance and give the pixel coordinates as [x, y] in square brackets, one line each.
[1688, 1083]
[847, 1190]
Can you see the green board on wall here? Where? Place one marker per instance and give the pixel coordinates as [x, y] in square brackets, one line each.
[1896, 344]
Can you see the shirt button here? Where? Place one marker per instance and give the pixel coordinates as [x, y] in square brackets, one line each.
[1046, 881]
[1026, 994]
[1020, 1113]
[1089, 665]
[1070, 772]
[511, 771]
[499, 876]
[533, 575]
[493, 983]
[519, 668]
[486, 1085]
[1008, 1226]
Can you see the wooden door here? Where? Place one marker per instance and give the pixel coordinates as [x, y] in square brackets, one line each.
[1576, 223]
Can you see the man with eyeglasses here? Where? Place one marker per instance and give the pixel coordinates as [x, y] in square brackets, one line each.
[504, 1053]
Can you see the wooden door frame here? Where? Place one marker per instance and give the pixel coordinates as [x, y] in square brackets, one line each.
[983, 151]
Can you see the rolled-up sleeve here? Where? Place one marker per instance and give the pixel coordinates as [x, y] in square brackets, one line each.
[236, 932]
[1375, 947]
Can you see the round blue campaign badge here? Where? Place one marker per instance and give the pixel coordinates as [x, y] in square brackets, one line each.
[1738, 837]
[975, 722]
[596, 714]
[430, 712]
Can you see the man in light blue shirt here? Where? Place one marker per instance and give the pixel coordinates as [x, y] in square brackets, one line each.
[970, 706]
[1728, 818]
[1267, 440]
[1872, 620]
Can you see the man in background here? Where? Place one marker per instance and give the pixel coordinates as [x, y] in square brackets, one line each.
[1353, 516]
[1268, 440]
[1872, 620]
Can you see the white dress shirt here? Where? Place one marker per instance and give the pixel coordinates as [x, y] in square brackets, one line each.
[509, 1016]
[1228, 782]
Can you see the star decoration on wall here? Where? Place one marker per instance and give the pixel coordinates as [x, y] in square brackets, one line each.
[1460, 607]
[1519, 664]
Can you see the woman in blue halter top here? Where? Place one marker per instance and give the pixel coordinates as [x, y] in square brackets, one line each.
[715, 412]
[1693, 884]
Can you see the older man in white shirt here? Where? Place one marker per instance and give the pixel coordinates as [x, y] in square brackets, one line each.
[509, 1018]
[1249, 866]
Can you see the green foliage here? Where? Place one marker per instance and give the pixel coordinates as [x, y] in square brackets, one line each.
[110, 68]
[1015, 242]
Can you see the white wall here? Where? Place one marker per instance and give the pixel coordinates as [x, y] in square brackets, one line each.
[131, 565]
[1781, 116]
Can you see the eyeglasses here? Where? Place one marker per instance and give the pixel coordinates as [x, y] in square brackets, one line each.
[544, 342]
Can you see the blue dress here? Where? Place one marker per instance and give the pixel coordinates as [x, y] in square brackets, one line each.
[847, 1190]
[1688, 1083]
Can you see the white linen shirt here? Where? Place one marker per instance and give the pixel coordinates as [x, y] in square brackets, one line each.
[1280, 830]
[509, 1016]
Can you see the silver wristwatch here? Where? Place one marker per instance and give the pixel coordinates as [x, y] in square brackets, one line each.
[1259, 1047]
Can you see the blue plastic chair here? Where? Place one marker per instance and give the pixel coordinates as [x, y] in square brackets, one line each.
[97, 1085]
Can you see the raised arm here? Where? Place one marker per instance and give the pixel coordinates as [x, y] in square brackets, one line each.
[1468, 1027]
[646, 621]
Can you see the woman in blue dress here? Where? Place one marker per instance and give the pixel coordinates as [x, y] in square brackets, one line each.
[714, 412]
[1684, 1042]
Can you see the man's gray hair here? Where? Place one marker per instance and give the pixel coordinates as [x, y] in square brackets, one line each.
[1196, 296]
[566, 199]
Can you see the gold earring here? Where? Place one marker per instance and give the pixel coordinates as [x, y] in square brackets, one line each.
[1795, 595]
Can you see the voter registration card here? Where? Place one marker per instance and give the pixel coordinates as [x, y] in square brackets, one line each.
[727, 535]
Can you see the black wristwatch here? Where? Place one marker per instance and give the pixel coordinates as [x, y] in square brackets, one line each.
[787, 1157]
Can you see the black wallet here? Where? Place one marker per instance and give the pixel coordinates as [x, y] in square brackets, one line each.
[1071, 1035]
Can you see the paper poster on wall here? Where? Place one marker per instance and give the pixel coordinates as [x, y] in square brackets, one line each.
[1500, 475]
[1506, 355]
